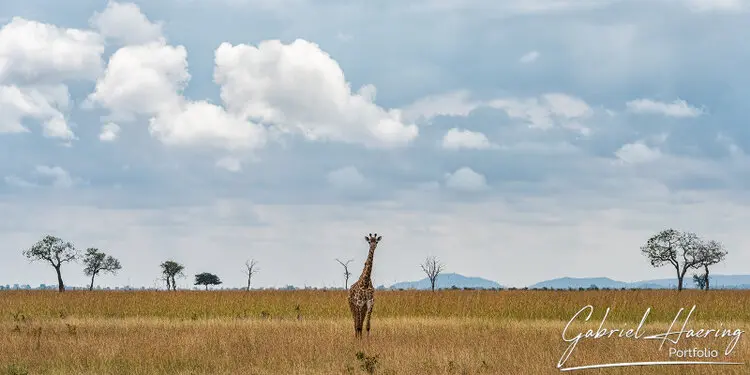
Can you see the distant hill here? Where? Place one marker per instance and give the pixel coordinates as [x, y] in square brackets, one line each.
[448, 280]
[717, 282]
[574, 282]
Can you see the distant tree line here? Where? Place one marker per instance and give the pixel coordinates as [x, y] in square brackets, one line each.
[684, 251]
[56, 252]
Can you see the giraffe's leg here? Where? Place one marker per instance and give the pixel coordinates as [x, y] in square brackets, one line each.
[360, 320]
[355, 318]
[369, 315]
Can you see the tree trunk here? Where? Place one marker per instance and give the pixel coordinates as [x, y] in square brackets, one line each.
[169, 285]
[680, 278]
[206, 286]
[432, 285]
[248, 283]
[60, 284]
[91, 287]
[706, 267]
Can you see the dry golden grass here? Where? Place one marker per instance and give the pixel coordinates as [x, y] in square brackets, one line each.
[446, 332]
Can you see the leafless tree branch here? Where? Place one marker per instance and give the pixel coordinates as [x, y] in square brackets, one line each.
[432, 268]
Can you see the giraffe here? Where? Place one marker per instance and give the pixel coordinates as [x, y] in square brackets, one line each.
[361, 293]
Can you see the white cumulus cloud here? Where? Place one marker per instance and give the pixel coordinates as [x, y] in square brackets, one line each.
[142, 79]
[677, 108]
[636, 153]
[35, 61]
[298, 88]
[110, 131]
[35, 52]
[546, 111]
[125, 23]
[465, 179]
[54, 176]
[456, 139]
[457, 103]
[43, 103]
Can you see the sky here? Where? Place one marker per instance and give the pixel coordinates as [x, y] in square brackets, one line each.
[517, 140]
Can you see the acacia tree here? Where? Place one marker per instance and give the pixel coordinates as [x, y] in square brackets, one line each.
[682, 250]
[250, 270]
[171, 269]
[700, 281]
[207, 279]
[710, 253]
[432, 268]
[346, 271]
[97, 262]
[54, 251]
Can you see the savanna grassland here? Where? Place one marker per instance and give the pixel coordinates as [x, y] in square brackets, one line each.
[311, 332]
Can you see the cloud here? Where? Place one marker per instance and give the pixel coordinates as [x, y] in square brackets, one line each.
[456, 139]
[269, 83]
[529, 57]
[125, 23]
[677, 108]
[43, 103]
[466, 180]
[60, 177]
[18, 182]
[197, 123]
[109, 132]
[455, 103]
[35, 60]
[142, 79]
[54, 176]
[346, 178]
[546, 111]
[229, 163]
[264, 84]
[636, 153]
[148, 80]
[35, 52]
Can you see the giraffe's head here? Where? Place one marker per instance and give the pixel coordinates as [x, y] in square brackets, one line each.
[373, 239]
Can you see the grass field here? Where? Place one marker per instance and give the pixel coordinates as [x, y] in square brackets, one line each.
[310, 332]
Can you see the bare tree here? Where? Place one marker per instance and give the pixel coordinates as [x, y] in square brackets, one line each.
[96, 262]
[346, 271]
[250, 270]
[681, 250]
[710, 253]
[54, 251]
[432, 268]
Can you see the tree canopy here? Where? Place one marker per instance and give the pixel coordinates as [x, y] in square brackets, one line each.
[207, 279]
[97, 262]
[54, 251]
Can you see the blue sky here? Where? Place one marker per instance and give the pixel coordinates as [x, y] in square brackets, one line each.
[516, 140]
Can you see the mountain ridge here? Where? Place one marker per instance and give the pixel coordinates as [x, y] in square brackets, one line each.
[449, 280]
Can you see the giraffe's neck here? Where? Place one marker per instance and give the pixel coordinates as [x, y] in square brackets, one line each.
[367, 271]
